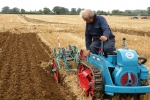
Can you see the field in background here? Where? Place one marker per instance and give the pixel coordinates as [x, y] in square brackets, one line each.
[71, 31]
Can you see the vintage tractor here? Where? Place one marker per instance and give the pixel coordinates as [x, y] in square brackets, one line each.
[144, 17]
[67, 56]
[122, 74]
[134, 17]
[101, 78]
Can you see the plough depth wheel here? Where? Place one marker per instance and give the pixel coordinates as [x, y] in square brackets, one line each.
[55, 70]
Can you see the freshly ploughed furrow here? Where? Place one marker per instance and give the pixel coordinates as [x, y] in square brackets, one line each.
[21, 74]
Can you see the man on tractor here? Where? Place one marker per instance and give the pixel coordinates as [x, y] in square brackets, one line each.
[97, 30]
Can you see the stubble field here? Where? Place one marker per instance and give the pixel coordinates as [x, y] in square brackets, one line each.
[26, 49]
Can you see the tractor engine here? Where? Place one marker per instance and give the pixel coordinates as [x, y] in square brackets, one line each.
[129, 71]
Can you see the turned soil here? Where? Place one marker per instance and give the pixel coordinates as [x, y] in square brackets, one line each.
[23, 74]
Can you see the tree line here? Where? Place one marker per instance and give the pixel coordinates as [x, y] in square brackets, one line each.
[57, 10]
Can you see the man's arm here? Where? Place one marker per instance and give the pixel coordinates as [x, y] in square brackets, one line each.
[105, 27]
[88, 39]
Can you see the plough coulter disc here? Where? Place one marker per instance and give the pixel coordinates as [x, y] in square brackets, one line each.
[55, 70]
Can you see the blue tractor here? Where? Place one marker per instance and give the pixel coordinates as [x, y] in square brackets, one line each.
[122, 74]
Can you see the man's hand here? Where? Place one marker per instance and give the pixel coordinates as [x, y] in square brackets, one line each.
[103, 38]
[88, 53]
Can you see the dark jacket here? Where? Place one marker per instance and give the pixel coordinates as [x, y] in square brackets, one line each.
[96, 29]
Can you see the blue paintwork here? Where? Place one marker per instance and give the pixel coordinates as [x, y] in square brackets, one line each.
[126, 89]
[125, 61]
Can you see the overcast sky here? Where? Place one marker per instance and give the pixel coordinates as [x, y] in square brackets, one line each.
[105, 5]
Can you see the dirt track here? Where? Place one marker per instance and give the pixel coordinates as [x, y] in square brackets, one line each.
[21, 73]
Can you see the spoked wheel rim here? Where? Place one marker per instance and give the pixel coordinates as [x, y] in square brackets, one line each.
[56, 71]
[81, 68]
[124, 79]
[91, 90]
[86, 80]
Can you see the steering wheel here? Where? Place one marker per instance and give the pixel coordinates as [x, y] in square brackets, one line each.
[144, 60]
